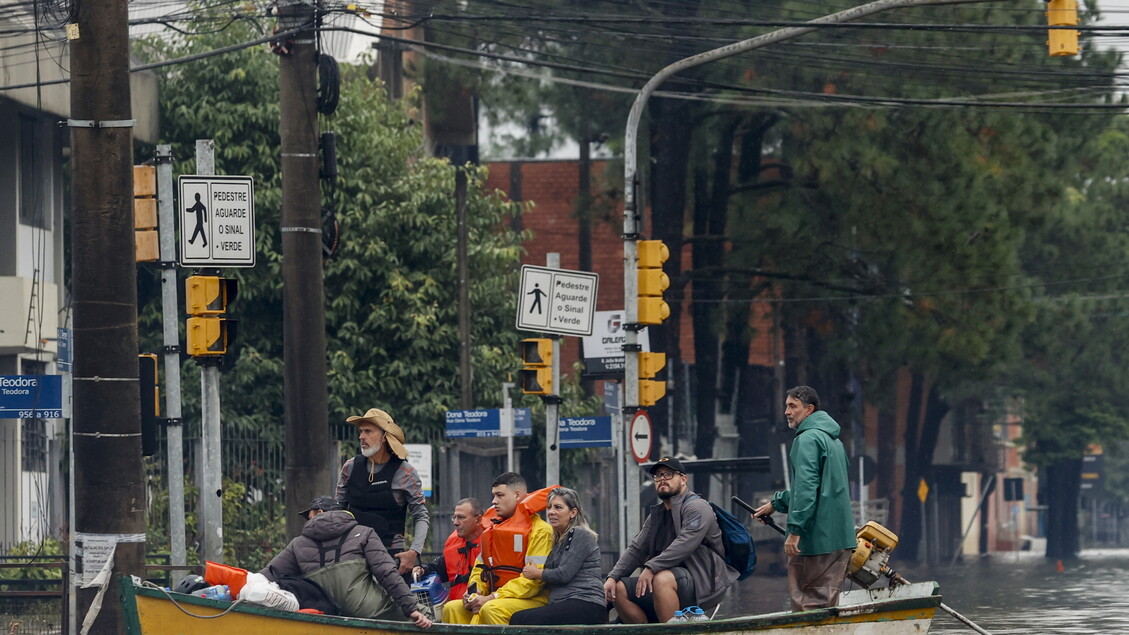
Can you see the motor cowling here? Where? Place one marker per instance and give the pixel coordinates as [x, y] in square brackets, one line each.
[872, 554]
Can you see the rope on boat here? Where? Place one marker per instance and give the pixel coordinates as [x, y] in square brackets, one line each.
[150, 585]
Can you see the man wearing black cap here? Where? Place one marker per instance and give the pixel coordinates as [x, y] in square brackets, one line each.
[679, 550]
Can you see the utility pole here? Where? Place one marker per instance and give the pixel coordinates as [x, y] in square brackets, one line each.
[466, 393]
[553, 401]
[308, 472]
[109, 493]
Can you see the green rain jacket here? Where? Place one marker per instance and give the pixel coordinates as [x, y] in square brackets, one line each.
[819, 501]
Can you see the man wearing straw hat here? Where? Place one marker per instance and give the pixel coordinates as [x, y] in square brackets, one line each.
[381, 488]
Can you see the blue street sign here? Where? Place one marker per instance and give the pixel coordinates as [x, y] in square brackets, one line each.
[31, 396]
[63, 357]
[486, 422]
[586, 432]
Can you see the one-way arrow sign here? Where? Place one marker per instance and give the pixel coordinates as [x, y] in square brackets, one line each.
[639, 436]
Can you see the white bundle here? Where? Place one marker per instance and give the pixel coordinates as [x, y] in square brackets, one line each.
[259, 590]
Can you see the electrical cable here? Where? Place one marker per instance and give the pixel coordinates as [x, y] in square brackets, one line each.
[329, 84]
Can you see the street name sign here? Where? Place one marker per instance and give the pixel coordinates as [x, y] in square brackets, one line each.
[485, 423]
[217, 221]
[639, 436]
[556, 300]
[585, 432]
[31, 396]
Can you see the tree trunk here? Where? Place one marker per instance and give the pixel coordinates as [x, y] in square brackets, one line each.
[922, 429]
[711, 203]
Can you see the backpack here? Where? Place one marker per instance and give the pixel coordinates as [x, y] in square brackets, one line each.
[740, 552]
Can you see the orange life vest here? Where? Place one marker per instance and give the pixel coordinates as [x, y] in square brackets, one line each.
[505, 541]
[458, 556]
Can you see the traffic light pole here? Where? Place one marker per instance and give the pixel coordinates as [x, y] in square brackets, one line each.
[552, 402]
[174, 430]
[211, 477]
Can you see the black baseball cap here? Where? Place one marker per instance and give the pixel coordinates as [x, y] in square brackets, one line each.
[324, 503]
[668, 462]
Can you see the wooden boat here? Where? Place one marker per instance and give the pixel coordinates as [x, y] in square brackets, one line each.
[889, 610]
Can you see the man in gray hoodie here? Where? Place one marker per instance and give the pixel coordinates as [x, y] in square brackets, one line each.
[680, 551]
[349, 562]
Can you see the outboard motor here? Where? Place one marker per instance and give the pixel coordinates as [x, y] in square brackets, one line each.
[872, 555]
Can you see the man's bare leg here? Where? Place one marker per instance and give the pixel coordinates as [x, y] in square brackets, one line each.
[665, 595]
[629, 612]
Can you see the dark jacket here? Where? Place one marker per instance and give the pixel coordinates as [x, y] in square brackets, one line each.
[696, 530]
[818, 503]
[334, 537]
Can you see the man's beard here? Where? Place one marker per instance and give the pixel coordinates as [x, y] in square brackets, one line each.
[369, 451]
[671, 493]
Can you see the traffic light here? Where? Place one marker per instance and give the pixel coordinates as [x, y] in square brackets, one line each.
[206, 299]
[652, 282]
[536, 375]
[1062, 42]
[145, 237]
[651, 390]
[150, 402]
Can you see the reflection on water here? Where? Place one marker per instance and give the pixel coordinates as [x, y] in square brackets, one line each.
[1004, 594]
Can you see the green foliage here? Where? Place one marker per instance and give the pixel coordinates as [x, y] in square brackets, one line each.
[390, 305]
[48, 547]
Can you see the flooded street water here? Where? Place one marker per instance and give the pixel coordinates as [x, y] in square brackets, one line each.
[1004, 594]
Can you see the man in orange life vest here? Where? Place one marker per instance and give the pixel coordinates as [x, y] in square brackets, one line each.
[516, 537]
[461, 549]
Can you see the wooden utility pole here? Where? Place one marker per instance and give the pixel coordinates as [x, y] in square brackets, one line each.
[109, 497]
[308, 472]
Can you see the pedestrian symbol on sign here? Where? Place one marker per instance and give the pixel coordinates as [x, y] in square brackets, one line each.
[201, 217]
[537, 294]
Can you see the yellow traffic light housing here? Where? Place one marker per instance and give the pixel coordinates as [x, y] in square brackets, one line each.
[208, 295]
[650, 364]
[536, 376]
[652, 281]
[206, 299]
[651, 390]
[146, 241]
[1062, 42]
[207, 336]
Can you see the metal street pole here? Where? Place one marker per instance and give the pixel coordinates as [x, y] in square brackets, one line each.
[211, 477]
[552, 402]
[170, 320]
[508, 423]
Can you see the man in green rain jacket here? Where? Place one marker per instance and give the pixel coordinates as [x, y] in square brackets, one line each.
[820, 527]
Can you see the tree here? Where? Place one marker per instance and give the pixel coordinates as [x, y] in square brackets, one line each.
[390, 315]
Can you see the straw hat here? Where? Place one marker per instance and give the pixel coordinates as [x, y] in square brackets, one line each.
[393, 434]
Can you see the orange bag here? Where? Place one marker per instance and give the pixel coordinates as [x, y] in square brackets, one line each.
[233, 577]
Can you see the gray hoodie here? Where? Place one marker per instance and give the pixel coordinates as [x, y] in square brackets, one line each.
[696, 530]
[334, 537]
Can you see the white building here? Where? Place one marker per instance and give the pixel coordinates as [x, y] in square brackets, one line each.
[34, 208]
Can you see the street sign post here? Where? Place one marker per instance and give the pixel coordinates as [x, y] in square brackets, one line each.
[639, 436]
[556, 301]
[217, 221]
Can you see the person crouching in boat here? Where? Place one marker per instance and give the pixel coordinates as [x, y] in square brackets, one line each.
[572, 570]
[516, 537]
[349, 562]
[460, 550]
[673, 548]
